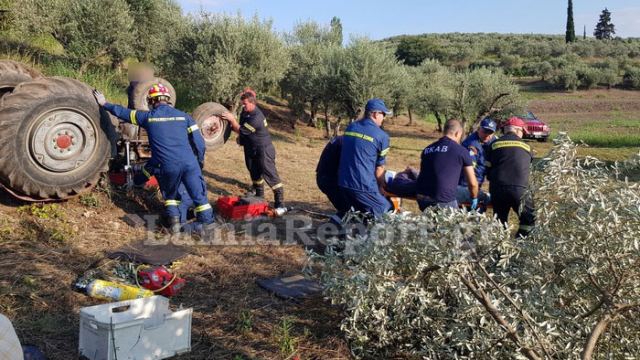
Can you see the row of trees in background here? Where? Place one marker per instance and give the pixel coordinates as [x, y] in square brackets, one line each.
[604, 28]
[212, 57]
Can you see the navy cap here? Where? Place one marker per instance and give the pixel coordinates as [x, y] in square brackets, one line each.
[489, 124]
[376, 104]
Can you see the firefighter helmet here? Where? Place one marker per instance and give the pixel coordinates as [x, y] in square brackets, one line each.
[157, 90]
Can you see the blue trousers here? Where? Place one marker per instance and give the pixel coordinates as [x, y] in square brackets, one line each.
[329, 186]
[190, 176]
[366, 202]
[185, 202]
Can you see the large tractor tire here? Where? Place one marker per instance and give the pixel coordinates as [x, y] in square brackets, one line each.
[214, 129]
[142, 89]
[13, 73]
[52, 145]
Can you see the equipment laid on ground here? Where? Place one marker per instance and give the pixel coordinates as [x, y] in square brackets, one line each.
[113, 291]
[142, 329]
[236, 208]
[159, 280]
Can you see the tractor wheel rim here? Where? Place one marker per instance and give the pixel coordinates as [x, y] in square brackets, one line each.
[63, 140]
[212, 128]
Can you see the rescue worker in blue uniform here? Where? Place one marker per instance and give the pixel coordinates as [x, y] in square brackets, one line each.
[361, 171]
[259, 153]
[327, 177]
[441, 164]
[476, 144]
[508, 161]
[171, 135]
[151, 168]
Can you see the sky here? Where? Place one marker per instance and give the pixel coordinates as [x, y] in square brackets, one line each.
[378, 19]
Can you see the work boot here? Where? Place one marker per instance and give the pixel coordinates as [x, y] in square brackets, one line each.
[278, 196]
[174, 224]
[258, 190]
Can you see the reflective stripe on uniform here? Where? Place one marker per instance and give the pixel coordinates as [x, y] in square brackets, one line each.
[192, 128]
[146, 173]
[359, 136]
[277, 186]
[384, 152]
[132, 117]
[202, 208]
[251, 128]
[165, 119]
[525, 227]
[487, 163]
[510, 143]
[258, 182]
[171, 202]
[266, 123]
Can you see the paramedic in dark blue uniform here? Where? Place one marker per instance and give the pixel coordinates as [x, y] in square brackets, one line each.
[441, 164]
[476, 144]
[509, 162]
[259, 153]
[361, 171]
[327, 177]
[171, 135]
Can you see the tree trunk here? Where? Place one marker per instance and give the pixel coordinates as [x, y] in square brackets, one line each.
[439, 120]
[410, 117]
[327, 122]
[336, 129]
[313, 114]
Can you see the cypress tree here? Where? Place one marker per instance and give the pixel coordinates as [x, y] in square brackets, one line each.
[570, 35]
[584, 34]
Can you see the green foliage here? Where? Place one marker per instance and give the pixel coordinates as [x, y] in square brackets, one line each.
[632, 77]
[566, 78]
[89, 200]
[367, 69]
[219, 55]
[287, 343]
[156, 22]
[42, 211]
[307, 80]
[570, 35]
[244, 322]
[87, 35]
[604, 28]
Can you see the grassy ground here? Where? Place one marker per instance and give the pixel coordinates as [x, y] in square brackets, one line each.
[43, 249]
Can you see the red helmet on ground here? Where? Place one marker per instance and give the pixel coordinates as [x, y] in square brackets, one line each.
[158, 90]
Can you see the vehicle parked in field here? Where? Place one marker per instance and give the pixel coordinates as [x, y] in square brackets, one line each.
[536, 128]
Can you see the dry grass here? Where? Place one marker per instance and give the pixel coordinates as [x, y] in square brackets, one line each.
[38, 268]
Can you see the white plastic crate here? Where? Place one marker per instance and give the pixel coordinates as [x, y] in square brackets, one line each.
[141, 329]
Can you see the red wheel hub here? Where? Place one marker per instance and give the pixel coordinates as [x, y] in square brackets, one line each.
[63, 141]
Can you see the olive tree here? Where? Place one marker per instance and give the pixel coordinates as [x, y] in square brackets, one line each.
[433, 91]
[219, 55]
[451, 284]
[36, 17]
[96, 30]
[310, 48]
[368, 69]
[155, 23]
[482, 92]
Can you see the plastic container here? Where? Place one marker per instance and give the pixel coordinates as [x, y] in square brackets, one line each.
[141, 329]
[229, 208]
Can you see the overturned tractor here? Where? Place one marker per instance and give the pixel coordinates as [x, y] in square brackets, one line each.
[55, 142]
